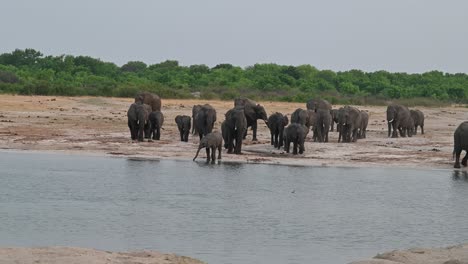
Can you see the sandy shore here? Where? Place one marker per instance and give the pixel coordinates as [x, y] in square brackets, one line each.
[450, 255]
[73, 255]
[96, 125]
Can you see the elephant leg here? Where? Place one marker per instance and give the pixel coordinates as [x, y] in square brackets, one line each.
[457, 158]
[238, 148]
[229, 142]
[287, 144]
[422, 130]
[272, 138]
[141, 129]
[219, 151]
[295, 147]
[254, 131]
[181, 135]
[245, 134]
[395, 129]
[207, 154]
[332, 126]
[319, 134]
[389, 128]
[158, 133]
[281, 138]
[213, 153]
[465, 159]
[301, 147]
[415, 130]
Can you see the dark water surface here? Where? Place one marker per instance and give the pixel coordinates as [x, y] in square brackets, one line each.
[227, 213]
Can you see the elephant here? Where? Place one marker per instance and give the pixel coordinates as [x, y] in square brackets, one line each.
[211, 141]
[406, 126]
[334, 116]
[418, 118]
[315, 104]
[276, 124]
[295, 133]
[253, 112]
[195, 110]
[363, 126]
[204, 120]
[150, 99]
[156, 120]
[233, 129]
[395, 114]
[184, 123]
[303, 117]
[138, 120]
[460, 143]
[350, 120]
[322, 125]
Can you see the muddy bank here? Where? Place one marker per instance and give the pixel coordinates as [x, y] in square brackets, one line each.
[450, 255]
[95, 125]
[73, 255]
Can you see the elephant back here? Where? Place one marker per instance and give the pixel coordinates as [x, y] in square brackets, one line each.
[150, 99]
[299, 116]
[315, 104]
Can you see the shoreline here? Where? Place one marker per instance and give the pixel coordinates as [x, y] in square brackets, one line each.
[98, 126]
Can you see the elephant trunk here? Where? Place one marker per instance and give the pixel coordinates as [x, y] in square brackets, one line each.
[198, 151]
[389, 128]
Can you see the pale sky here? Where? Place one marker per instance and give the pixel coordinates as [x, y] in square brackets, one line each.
[393, 35]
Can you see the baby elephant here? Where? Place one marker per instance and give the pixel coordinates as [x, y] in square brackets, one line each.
[184, 124]
[295, 133]
[156, 120]
[211, 141]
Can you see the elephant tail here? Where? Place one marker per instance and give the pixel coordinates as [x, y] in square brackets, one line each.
[198, 151]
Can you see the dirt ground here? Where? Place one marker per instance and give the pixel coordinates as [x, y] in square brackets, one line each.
[98, 125]
[73, 255]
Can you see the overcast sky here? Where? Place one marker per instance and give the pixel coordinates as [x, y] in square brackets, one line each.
[393, 35]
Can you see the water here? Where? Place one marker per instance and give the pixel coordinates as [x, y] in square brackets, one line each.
[227, 213]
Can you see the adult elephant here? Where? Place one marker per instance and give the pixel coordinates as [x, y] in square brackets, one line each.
[350, 120]
[295, 133]
[276, 124]
[322, 125]
[195, 110]
[204, 120]
[253, 112]
[138, 120]
[460, 143]
[315, 104]
[150, 99]
[233, 129]
[395, 115]
[418, 118]
[183, 124]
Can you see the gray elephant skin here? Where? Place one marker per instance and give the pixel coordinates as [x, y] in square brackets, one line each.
[150, 99]
[233, 129]
[350, 120]
[204, 120]
[184, 124]
[253, 112]
[295, 133]
[322, 125]
[195, 110]
[396, 114]
[156, 120]
[418, 118]
[334, 115]
[276, 123]
[460, 143]
[212, 142]
[315, 104]
[303, 117]
[406, 126]
[138, 120]
[364, 122]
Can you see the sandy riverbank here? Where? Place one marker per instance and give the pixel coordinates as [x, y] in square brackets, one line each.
[97, 125]
[73, 255]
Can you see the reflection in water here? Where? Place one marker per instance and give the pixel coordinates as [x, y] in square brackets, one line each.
[227, 212]
[460, 175]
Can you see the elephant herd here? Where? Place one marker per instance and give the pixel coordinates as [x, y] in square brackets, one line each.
[145, 120]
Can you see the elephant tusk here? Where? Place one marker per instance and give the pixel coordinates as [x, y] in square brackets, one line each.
[390, 121]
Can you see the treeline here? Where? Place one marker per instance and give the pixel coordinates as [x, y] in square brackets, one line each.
[30, 72]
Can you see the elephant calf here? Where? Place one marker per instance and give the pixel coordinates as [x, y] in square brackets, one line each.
[156, 119]
[276, 124]
[460, 143]
[295, 133]
[418, 118]
[183, 124]
[211, 141]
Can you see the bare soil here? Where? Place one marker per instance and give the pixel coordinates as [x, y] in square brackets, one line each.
[98, 125]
